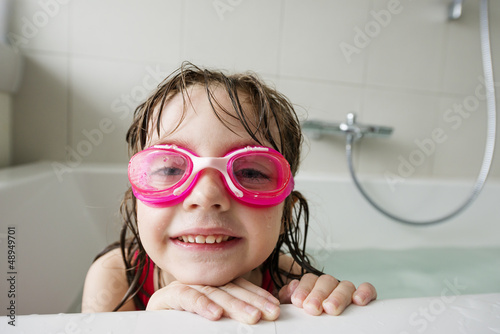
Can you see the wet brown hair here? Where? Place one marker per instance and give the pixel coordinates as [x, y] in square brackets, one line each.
[273, 119]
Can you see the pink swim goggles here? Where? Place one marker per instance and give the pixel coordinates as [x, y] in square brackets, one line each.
[163, 175]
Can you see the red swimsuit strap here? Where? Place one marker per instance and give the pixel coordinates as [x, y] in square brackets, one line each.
[267, 282]
[149, 287]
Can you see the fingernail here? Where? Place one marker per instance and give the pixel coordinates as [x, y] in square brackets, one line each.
[358, 299]
[313, 305]
[251, 310]
[273, 300]
[330, 306]
[271, 308]
[298, 298]
[293, 285]
[214, 309]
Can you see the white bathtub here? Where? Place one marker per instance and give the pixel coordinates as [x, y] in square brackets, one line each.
[60, 225]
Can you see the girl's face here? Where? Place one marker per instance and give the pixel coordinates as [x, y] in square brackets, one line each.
[249, 234]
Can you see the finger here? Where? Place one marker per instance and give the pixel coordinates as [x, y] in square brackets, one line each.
[305, 286]
[233, 307]
[255, 296]
[364, 294]
[181, 297]
[285, 293]
[322, 289]
[339, 299]
[241, 282]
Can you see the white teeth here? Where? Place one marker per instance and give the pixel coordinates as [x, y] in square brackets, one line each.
[201, 239]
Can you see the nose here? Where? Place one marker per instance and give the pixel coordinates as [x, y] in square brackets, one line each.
[208, 193]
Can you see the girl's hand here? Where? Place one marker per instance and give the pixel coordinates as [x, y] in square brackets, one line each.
[239, 300]
[316, 294]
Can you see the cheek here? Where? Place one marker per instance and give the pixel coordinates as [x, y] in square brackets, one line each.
[274, 225]
[267, 227]
[152, 223]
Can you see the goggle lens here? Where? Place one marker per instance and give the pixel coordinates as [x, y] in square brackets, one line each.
[158, 170]
[257, 172]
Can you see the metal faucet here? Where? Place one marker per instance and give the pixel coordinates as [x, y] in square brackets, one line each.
[317, 129]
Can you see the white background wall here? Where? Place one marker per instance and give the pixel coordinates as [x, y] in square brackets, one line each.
[90, 62]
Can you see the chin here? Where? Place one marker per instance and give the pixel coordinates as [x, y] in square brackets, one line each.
[206, 278]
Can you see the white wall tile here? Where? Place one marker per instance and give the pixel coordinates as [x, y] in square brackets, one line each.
[463, 63]
[413, 117]
[316, 100]
[322, 100]
[408, 51]
[313, 33]
[107, 91]
[127, 29]
[39, 116]
[237, 36]
[464, 123]
[40, 25]
[89, 55]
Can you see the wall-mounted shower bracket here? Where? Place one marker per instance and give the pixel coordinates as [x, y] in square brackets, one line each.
[455, 9]
[317, 129]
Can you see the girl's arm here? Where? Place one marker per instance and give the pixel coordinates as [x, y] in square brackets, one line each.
[106, 284]
[318, 294]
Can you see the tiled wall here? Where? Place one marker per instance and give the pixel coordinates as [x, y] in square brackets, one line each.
[394, 63]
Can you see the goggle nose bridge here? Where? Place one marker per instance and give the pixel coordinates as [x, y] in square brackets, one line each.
[201, 163]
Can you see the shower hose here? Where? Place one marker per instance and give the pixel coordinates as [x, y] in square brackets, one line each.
[490, 136]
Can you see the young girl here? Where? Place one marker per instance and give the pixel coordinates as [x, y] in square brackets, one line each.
[211, 221]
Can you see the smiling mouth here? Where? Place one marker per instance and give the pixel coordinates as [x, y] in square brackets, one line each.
[205, 239]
